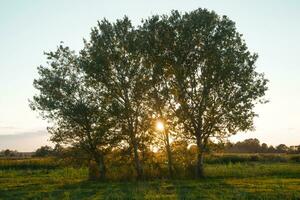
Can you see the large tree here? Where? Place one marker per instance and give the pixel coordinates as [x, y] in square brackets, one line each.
[114, 59]
[210, 72]
[77, 111]
[192, 71]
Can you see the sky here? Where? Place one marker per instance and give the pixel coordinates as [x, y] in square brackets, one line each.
[28, 28]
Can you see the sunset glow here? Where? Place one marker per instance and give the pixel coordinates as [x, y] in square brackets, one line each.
[160, 126]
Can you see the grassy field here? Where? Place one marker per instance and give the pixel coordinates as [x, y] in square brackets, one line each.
[253, 180]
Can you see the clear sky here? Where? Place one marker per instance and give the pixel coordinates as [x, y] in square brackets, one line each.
[28, 28]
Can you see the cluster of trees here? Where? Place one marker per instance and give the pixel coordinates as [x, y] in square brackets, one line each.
[7, 153]
[45, 151]
[187, 77]
[254, 146]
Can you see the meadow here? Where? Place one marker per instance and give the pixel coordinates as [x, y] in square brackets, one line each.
[227, 177]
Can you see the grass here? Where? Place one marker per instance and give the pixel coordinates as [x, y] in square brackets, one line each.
[223, 181]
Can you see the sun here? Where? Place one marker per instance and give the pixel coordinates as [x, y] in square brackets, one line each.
[160, 126]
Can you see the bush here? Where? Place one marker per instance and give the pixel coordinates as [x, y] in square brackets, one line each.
[296, 158]
[242, 158]
[227, 158]
[274, 158]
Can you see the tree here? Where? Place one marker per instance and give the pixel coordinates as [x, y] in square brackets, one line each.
[9, 153]
[294, 149]
[163, 138]
[251, 145]
[113, 58]
[44, 151]
[210, 71]
[271, 149]
[162, 112]
[264, 148]
[282, 148]
[78, 113]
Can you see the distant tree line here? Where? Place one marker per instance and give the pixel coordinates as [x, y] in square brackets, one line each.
[179, 78]
[254, 146]
[7, 153]
[251, 145]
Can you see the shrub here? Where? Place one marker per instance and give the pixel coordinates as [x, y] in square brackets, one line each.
[295, 158]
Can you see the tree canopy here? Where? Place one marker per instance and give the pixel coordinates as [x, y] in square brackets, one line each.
[210, 71]
[78, 112]
[193, 71]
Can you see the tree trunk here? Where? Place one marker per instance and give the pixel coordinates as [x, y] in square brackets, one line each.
[137, 162]
[169, 155]
[97, 169]
[200, 159]
[102, 168]
[93, 170]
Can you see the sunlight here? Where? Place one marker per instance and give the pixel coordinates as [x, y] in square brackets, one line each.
[160, 126]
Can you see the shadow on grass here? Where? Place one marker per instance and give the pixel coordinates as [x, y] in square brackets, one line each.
[80, 190]
[20, 191]
[220, 189]
[106, 190]
[159, 189]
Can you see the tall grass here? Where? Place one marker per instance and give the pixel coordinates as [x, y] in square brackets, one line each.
[222, 163]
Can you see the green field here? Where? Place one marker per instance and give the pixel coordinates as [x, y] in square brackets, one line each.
[252, 180]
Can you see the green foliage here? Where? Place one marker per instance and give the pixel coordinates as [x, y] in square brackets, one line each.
[113, 58]
[210, 72]
[295, 158]
[44, 151]
[193, 71]
[78, 111]
[252, 145]
[245, 158]
[9, 153]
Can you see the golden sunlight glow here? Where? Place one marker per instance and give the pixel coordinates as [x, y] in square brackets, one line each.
[160, 126]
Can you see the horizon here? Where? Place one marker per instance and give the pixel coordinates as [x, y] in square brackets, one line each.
[28, 29]
[11, 139]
